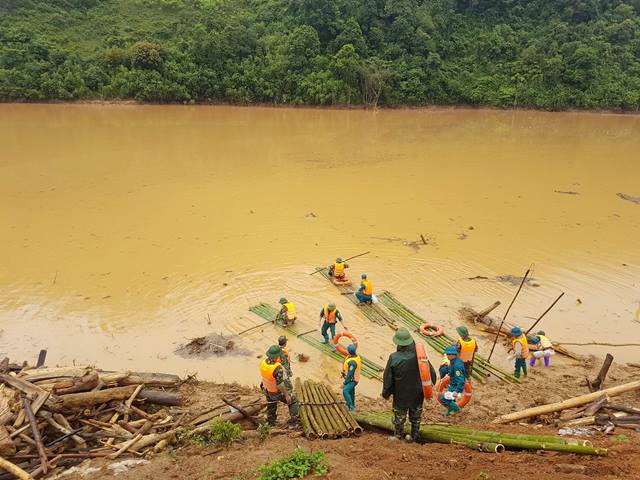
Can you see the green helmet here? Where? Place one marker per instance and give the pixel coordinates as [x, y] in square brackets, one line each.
[402, 337]
[339, 260]
[282, 340]
[331, 306]
[283, 300]
[273, 352]
[541, 332]
[462, 331]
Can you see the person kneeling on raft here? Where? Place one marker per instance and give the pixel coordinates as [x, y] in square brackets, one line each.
[329, 316]
[351, 374]
[365, 292]
[541, 347]
[287, 314]
[275, 387]
[337, 269]
[457, 377]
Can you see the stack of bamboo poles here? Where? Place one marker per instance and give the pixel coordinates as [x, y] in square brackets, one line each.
[322, 414]
[487, 441]
[370, 369]
[372, 312]
[481, 367]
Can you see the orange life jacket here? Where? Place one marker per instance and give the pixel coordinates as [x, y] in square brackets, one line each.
[338, 269]
[345, 367]
[467, 349]
[522, 340]
[267, 371]
[368, 288]
[330, 315]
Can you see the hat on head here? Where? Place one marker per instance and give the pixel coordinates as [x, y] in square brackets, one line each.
[402, 338]
[462, 331]
[283, 300]
[274, 351]
[351, 348]
[282, 340]
[338, 260]
[331, 306]
[363, 276]
[516, 331]
[451, 350]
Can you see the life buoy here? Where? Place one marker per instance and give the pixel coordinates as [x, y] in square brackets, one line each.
[425, 371]
[436, 330]
[340, 348]
[462, 400]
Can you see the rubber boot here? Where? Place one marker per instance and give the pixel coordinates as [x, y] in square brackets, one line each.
[546, 361]
[414, 433]
[532, 362]
[524, 369]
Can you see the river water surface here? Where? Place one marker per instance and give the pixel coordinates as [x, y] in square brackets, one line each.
[123, 227]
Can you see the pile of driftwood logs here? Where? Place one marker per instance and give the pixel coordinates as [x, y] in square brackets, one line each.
[322, 414]
[57, 417]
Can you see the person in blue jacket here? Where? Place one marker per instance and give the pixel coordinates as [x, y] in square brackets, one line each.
[457, 377]
[351, 373]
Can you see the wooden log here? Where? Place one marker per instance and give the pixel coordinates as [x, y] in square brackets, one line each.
[77, 384]
[113, 378]
[242, 411]
[7, 447]
[483, 313]
[159, 397]
[58, 422]
[55, 372]
[88, 399]
[151, 379]
[622, 408]
[36, 394]
[42, 357]
[13, 469]
[570, 403]
[36, 435]
[7, 397]
[597, 383]
[230, 417]
[593, 407]
[580, 422]
[209, 413]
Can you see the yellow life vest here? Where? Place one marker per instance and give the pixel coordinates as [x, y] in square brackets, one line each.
[467, 349]
[338, 269]
[345, 367]
[330, 315]
[545, 342]
[368, 288]
[268, 379]
[522, 340]
[291, 310]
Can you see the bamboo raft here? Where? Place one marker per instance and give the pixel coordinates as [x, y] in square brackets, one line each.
[481, 367]
[372, 312]
[322, 414]
[487, 441]
[370, 369]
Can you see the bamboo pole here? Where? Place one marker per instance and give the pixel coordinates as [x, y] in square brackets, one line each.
[353, 425]
[320, 425]
[334, 429]
[515, 436]
[570, 403]
[13, 469]
[306, 424]
[326, 395]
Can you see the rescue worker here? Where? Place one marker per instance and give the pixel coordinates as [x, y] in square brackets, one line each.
[467, 348]
[540, 347]
[520, 348]
[365, 292]
[287, 314]
[285, 358]
[351, 374]
[337, 270]
[329, 316]
[401, 379]
[275, 388]
[457, 377]
[444, 366]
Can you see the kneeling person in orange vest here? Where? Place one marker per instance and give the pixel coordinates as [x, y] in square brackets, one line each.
[287, 314]
[520, 348]
[337, 270]
[365, 292]
[351, 374]
[457, 377]
[275, 387]
[467, 348]
[329, 316]
[541, 347]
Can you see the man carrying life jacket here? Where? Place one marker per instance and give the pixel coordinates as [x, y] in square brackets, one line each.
[541, 347]
[329, 316]
[457, 377]
[275, 388]
[365, 292]
[287, 314]
[467, 348]
[520, 348]
[285, 359]
[337, 270]
[351, 374]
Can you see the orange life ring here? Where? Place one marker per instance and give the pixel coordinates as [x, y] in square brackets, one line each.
[462, 400]
[425, 371]
[340, 348]
[436, 330]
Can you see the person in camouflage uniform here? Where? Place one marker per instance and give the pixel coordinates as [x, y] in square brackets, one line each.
[285, 360]
[402, 381]
[275, 388]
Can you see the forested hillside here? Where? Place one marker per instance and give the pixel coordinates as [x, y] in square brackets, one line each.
[532, 53]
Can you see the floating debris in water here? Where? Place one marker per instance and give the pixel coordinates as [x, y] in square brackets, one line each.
[629, 198]
[209, 346]
[567, 192]
[515, 280]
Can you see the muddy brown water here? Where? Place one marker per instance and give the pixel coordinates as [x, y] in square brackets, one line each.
[123, 226]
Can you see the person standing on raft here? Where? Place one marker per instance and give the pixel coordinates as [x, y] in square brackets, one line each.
[329, 316]
[275, 387]
[541, 347]
[457, 377]
[365, 292]
[337, 270]
[401, 379]
[351, 374]
[287, 314]
[520, 348]
[467, 348]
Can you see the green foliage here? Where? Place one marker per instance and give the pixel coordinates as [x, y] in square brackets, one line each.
[530, 53]
[220, 433]
[297, 465]
[264, 429]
